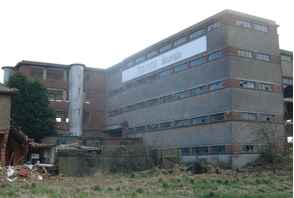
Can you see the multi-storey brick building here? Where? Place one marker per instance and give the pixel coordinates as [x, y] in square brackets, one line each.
[56, 78]
[204, 90]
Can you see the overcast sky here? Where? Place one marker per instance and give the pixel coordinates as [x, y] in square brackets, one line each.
[102, 33]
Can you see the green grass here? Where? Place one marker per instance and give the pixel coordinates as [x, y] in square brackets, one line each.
[156, 184]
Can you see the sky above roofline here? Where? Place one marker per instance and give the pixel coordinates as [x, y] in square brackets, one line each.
[102, 33]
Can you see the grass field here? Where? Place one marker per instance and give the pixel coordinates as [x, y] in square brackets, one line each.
[155, 184]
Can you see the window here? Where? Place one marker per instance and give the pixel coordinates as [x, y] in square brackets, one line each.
[181, 67]
[125, 109]
[198, 90]
[266, 87]
[37, 73]
[165, 125]
[200, 150]
[165, 73]
[213, 26]
[55, 74]
[181, 123]
[165, 48]
[216, 85]
[266, 117]
[152, 54]
[197, 34]
[259, 27]
[198, 61]
[286, 58]
[248, 116]
[180, 41]
[168, 98]
[60, 116]
[114, 113]
[287, 81]
[215, 56]
[244, 24]
[140, 129]
[152, 126]
[263, 57]
[183, 94]
[245, 53]
[247, 84]
[140, 59]
[131, 130]
[200, 120]
[138, 106]
[55, 94]
[217, 149]
[185, 151]
[217, 117]
[247, 148]
[129, 64]
[151, 102]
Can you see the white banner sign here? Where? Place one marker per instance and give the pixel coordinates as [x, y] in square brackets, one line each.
[180, 53]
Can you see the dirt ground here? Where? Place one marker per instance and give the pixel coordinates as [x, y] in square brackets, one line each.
[156, 183]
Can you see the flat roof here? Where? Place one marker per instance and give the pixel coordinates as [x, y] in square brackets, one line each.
[54, 65]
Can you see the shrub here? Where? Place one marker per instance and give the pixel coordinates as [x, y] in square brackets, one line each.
[128, 158]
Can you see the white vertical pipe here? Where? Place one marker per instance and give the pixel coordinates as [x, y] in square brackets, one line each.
[76, 98]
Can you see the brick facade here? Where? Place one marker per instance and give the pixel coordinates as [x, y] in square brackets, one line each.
[94, 88]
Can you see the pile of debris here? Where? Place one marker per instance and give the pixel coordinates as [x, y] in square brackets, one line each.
[37, 172]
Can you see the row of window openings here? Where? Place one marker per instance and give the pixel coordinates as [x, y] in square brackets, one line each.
[48, 74]
[195, 35]
[175, 69]
[256, 55]
[61, 117]
[285, 58]
[218, 149]
[176, 43]
[200, 120]
[249, 25]
[59, 94]
[189, 93]
[190, 64]
[287, 81]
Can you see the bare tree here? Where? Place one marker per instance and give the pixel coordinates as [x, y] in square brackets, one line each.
[272, 137]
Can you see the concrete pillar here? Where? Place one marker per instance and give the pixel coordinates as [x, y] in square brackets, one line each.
[8, 72]
[76, 98]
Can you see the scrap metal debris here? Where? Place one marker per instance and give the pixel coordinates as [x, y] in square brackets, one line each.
[28, 171]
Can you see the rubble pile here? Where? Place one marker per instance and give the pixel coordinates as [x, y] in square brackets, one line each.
[37, 172]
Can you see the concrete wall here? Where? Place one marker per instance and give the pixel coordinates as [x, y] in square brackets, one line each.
[218, 101]
[186, 79]
[287, 65]
[229, 99]
[4, 111]
[190, 136]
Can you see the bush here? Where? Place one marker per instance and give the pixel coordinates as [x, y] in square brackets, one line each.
[129, 158]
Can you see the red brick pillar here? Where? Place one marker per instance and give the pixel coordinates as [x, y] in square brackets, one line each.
[236, 148]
